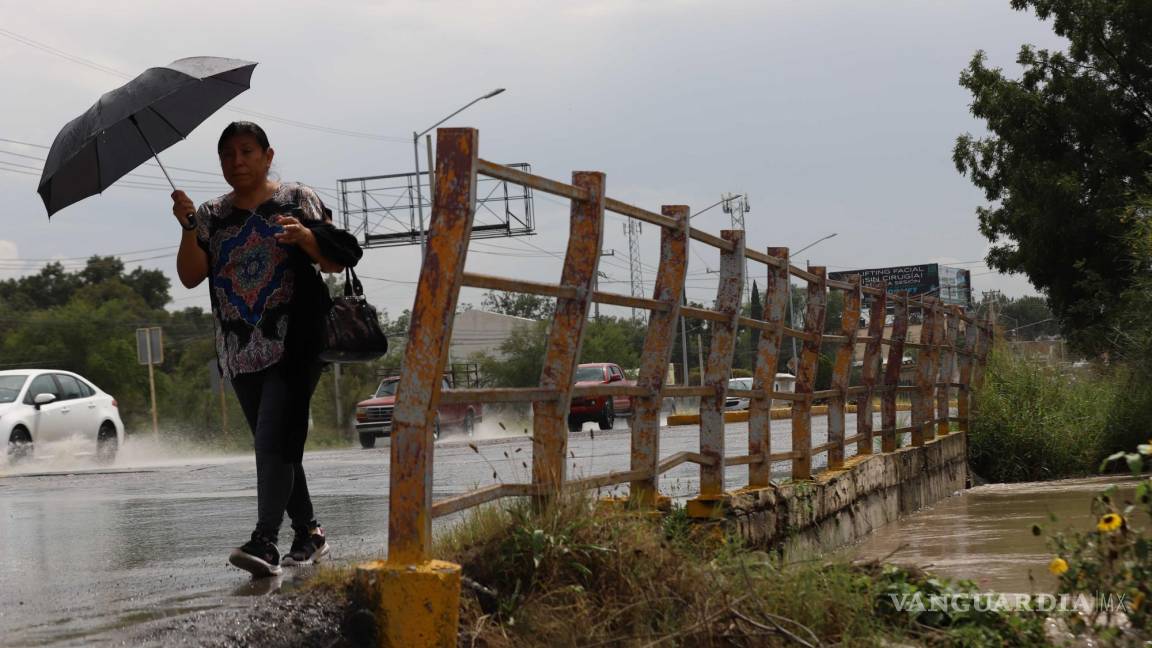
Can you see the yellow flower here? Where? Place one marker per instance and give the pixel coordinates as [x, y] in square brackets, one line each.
[1109, 523]
[1058, 566]
[1137, 601]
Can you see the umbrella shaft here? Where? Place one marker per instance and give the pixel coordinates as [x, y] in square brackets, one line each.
[149, 145]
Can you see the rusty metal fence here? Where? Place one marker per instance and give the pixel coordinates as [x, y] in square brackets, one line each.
[951, 343]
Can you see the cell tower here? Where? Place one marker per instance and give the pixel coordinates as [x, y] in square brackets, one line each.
[737, 205]
[635, 271]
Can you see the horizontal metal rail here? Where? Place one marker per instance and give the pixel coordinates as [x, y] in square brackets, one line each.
[714, 241]
[475, 280]
[856, 438]
[801, 335]
[616, 299]
[607, 479]
[498, 395]
[748, 322]
[803, 274]
[536, 182]
[639, 214]
[763, 258]
[687, 391]
[481, 496]
[684, 457]
[703, 314]
[610, 390]
[824, 448]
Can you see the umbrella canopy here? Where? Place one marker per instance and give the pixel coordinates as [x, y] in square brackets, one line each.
[134, 122]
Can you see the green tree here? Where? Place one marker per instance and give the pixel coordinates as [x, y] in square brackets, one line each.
[517, 304]
[614, 339]
[52, 286]
[1027, 318]
[521, 359]
[152, 285]
[1065, 166]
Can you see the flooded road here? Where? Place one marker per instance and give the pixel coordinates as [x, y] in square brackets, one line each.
[91, 552]
[985, 534]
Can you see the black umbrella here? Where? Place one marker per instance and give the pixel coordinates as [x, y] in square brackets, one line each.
[134, 122]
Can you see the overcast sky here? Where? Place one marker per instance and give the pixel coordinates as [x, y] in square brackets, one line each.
[832, 116]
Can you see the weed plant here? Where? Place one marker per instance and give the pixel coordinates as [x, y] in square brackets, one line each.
[576, 574]
[1034, 422]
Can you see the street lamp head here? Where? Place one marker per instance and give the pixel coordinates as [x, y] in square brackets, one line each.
[819, 240]
[494, 93]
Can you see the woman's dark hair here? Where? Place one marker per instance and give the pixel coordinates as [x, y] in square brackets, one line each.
[243, 128]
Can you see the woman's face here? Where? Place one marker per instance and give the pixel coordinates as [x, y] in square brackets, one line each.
[244, 163]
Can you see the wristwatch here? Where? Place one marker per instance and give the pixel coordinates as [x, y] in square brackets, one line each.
[191, 223]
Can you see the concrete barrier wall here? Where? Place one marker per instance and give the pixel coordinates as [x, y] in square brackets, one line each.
[842, 506]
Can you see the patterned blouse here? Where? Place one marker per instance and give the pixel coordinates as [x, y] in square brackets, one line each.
[253, 278]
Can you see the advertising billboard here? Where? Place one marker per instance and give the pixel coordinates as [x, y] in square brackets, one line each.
[952, 285]
[956, 286]
[916, 279]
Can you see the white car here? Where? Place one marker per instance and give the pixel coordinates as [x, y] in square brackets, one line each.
[46, 405]
[784, 382]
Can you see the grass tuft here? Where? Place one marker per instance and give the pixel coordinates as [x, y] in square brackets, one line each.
[1034, 422]
[578, 575]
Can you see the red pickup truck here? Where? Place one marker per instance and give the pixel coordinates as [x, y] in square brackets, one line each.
[602, 409]
[374, 415]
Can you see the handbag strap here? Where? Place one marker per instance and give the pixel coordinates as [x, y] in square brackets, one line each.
[352, 285]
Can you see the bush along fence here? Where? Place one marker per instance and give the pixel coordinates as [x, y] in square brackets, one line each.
[424, 592]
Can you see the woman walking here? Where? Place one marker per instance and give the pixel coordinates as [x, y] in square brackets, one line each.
[259, 247]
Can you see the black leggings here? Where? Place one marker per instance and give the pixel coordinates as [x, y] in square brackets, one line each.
[275, 402]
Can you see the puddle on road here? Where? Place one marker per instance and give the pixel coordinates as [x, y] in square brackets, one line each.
[985, 534]
[139, 452]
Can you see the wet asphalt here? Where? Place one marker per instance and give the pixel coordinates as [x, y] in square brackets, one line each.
[91, 553]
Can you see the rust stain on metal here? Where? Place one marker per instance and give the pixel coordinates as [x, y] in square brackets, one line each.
[586, 231]
[964, 395]
[892, 372]
[777, 293]
[806, 374]
[923, 400]
[429, 334]
[658, 344]
[870, 370]
[983, 345]
[719, 367]
[841, 372]
[947, 368]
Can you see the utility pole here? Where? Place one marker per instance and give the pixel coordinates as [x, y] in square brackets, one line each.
[684, 340]
[336, 389]
[596, 282]
[700, 354]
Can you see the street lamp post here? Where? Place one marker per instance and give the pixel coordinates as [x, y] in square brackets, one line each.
[416, 156]
[791, 313]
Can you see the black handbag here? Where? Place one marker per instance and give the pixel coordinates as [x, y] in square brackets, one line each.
[352, 330]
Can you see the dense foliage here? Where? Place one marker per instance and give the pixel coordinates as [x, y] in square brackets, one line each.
[1065, 166]
[85, 321]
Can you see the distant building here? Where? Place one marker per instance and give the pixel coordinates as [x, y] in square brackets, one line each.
[476, 330]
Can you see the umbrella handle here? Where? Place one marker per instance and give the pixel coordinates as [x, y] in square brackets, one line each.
[132, 119]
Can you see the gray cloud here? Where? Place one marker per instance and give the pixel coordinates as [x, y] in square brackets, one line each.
[833, 116]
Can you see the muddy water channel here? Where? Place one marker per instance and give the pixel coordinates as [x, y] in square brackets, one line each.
[984, 534]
